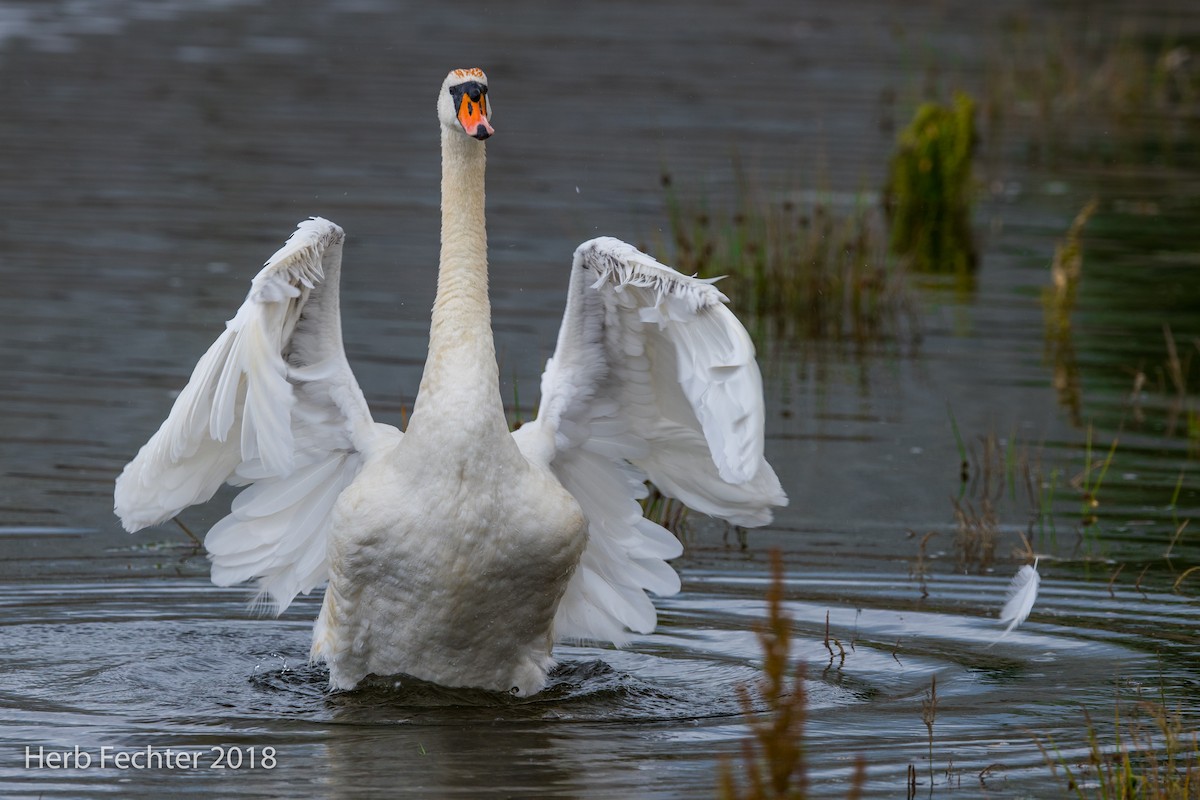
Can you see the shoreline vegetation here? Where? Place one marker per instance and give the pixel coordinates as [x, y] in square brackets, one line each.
[812, 271]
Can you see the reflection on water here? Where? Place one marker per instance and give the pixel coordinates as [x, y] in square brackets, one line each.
[608, 716]
[157, 152]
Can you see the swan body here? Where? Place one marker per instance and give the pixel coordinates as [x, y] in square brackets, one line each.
[456, 551]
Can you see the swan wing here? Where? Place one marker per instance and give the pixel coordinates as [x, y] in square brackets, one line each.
[273, 405]
[652, 378]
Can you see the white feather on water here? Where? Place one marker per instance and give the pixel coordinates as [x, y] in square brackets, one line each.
[1022, 594]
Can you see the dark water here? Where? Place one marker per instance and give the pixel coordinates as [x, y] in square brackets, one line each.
[154, 153]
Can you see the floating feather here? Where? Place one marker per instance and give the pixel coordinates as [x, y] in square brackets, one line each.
[1022, 593]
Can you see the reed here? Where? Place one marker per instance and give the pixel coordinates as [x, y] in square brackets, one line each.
[1154, 756]
[1063, 83]
[666, 511]
[796, 270]
[773, 765]
[1089, 481]
[1066, 272]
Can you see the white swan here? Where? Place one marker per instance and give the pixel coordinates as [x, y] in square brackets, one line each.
[458, 552]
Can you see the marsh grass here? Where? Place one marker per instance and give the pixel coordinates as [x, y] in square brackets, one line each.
[1152, 754]
[1005, 476]
[773, 765]
[1173, 380]
[976, 534]
[1155, 756]
[1058, 305]
[999, 477]
[1066, 271]
[1008, 479]
[1077, 81]
[929, 190]
[964, 470]
[796, 270]
[929, 716]
[1091, 478]
[666, 511]
[918, 569]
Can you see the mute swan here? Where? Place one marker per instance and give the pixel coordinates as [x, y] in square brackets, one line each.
[458, 552]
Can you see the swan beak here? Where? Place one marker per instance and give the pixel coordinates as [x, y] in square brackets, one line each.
[472, 115]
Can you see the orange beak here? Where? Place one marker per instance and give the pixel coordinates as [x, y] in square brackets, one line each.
[472, 115]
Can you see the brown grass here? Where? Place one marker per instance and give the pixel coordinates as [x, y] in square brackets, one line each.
[796, 271]
[1155, 756]
[773, 763]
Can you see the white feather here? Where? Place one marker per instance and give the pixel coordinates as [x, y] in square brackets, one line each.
[1022, 594]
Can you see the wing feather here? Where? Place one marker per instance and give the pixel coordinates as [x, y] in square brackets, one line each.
[653, 377]
[272, 404]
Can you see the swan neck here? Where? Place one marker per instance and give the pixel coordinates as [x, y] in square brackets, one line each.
[461, 379]
[464, 229]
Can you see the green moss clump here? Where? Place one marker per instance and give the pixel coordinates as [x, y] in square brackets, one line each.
[928, 192]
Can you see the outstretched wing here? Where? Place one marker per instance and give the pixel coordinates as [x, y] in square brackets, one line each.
[273, 403]
[653, 377]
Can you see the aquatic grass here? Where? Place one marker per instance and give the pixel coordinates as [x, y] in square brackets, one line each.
[1178, 370]
[928, 716]
[928, 194]
[1066, 80]
[1066, 271]
[665, 511]
[196, 542]
[964, 472]
[1184, 576]
[1174, 373]
[773, 760]
[1173, 379]
[1046, 504]
[993, 469]
[1089, 481]
[918, 570]
[830, 642]
[795, 267]
[1058, 305]
[773, 764]
[1179, 529]
[976, 535]
[1009, 477]
[1010, 466]
[1154, 756]
[1175, 365]
[1173, 507]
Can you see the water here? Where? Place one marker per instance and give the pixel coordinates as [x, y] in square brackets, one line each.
[155, 153]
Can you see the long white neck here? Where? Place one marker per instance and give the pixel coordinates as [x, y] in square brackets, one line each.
[460, 385]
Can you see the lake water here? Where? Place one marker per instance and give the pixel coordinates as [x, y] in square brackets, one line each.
[154, 153]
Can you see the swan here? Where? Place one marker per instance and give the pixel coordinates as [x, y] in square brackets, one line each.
[459, 552]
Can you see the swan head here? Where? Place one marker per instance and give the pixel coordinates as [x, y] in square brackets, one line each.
[463, 104]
